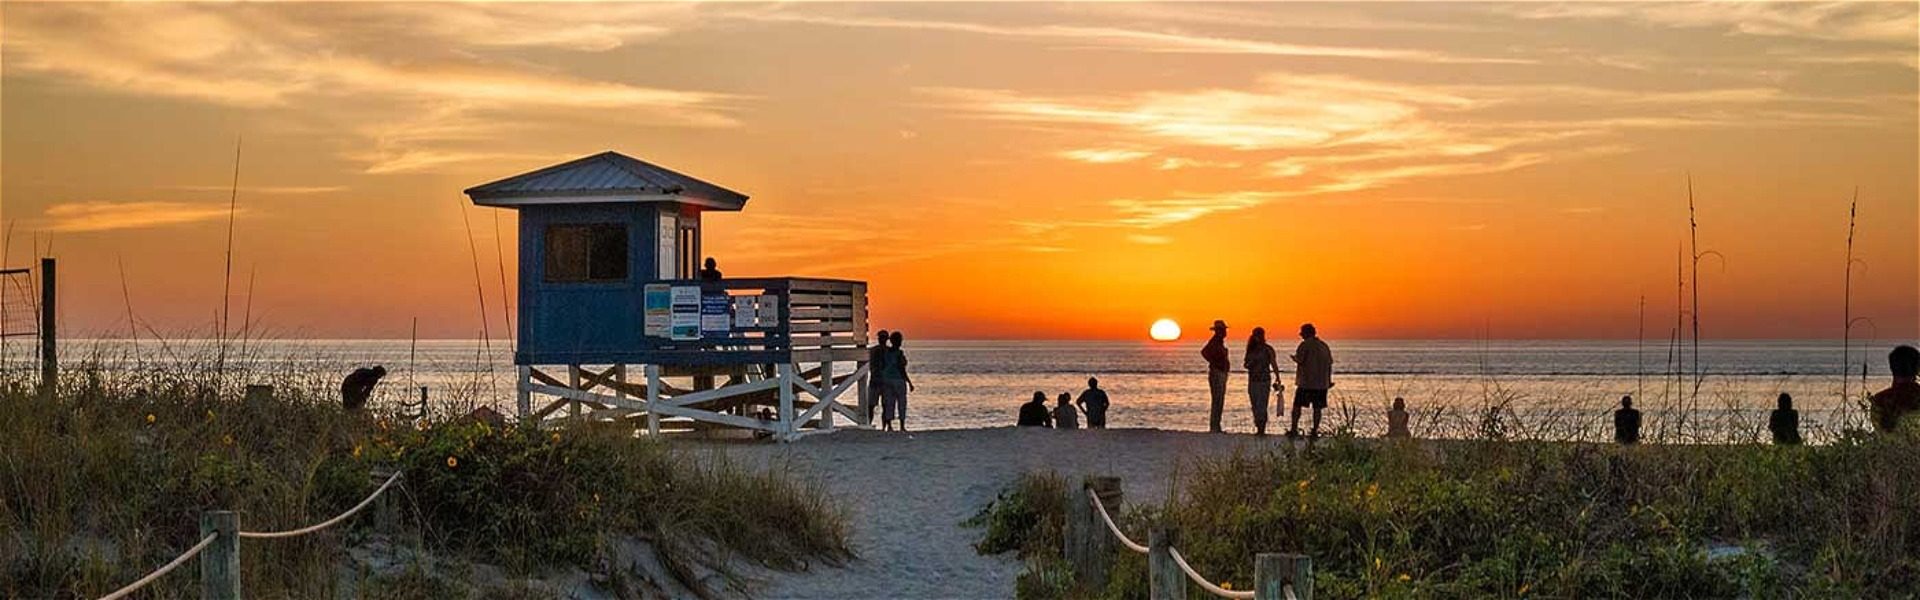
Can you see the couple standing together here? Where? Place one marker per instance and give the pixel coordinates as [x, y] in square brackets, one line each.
[888, 380]
[1313, 376]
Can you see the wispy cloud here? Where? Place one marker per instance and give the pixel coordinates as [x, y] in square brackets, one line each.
[1141, 40]
[1152, 213]
[108, 216]
[1104, 155]
[1174, 163]
[1889, 22]
[265, 189]
[334, 63]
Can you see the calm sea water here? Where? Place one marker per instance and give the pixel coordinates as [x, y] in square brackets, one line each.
[1543, 389]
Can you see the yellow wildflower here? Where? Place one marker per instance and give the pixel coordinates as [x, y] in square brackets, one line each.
[149, 418]
[226, 440]
[209, 414]
[1373, 489]
[1303, 484]
[452, 462]
[356, 451]
[1376, 562]
[556, 437]
[1226, 585]
[1524, 587]
[1406, 577]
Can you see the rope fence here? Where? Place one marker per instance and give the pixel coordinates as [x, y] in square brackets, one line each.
[1276, 576]
[220, 531]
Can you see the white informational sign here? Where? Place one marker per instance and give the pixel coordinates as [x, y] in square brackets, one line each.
[716, 318]
[686, 326]
[669, 247]
[745, 312]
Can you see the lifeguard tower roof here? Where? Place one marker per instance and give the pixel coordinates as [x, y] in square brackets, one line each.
[605, 177]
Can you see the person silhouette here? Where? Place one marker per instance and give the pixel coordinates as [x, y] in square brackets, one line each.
[876, 361]
[895, 380]
[1891, 405]
[1093, 402]
[1397, 419]
[1064, 416]
[1261, 364]
[710, 272]
[1313, 377]
[358, 386]
[1034, 412]
[1626, 422]
[1784, 422]
[1218, 365]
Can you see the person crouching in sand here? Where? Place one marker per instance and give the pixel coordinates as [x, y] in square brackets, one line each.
[1034, 412]
[1064, 416]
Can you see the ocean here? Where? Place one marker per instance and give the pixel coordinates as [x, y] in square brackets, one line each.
[1533, 389]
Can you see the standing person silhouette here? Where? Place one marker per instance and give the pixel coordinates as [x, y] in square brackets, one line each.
[1626, 422]
[1312, 377]
[1218, 366]
[711, 270]
[1261, 364]
[898, 383]
[1784, 423]
[1903, 397]
[876, 360]
[1093, 402]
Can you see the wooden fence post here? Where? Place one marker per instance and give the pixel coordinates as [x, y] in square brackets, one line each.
[220, 564]
[384, 515]
[1273, 572]
[49, 329]
[1091, 550]
[1165, 581]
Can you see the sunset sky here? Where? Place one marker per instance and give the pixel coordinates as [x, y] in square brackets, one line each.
[994, 171]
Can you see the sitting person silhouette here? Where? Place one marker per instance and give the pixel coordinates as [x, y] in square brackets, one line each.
[1064, 417]
[1784, 422]
[1397, 419]
[1034, 412]
[1626, 422]
[1903, 397]
[358, 386]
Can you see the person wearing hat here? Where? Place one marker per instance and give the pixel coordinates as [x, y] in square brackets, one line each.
[1312, 377]
[1218, 365]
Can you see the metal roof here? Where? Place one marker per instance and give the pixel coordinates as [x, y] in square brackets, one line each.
[605, 177]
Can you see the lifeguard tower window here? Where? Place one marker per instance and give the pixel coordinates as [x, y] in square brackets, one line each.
[580, 253]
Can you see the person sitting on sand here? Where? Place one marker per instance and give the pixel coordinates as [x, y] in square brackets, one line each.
[1093, 401]
[1064, 416]
[1397, 419]
[1785, 422]
[1261, 364]
[1903, 397]
[1218, 365]
[1034, 412]
[711, 271]
[1312, 378]
[1626, 422]
[358, 386]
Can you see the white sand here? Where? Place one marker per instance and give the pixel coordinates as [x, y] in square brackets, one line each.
[909, 493]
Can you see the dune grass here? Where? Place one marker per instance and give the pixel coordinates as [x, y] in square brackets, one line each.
[1464, 519]
[107, 481]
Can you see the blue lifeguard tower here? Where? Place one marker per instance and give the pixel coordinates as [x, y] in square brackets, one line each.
[610, 256]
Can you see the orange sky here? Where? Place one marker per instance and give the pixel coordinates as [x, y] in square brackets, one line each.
[1006, 170]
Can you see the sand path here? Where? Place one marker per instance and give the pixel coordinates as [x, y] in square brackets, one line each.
[909, 493]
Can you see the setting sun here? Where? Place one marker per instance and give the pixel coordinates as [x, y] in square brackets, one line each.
[1164, 330]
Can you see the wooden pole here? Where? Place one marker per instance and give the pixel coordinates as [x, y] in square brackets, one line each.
[49, 329]
[383, 512]
[1089, 546]
[1165, 581]
[653, 397]
[220, 564]
[1272, 573]
[785, 372]
[522, 395]
[826, 383]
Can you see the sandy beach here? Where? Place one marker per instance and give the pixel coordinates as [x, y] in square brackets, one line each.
[909, 493]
